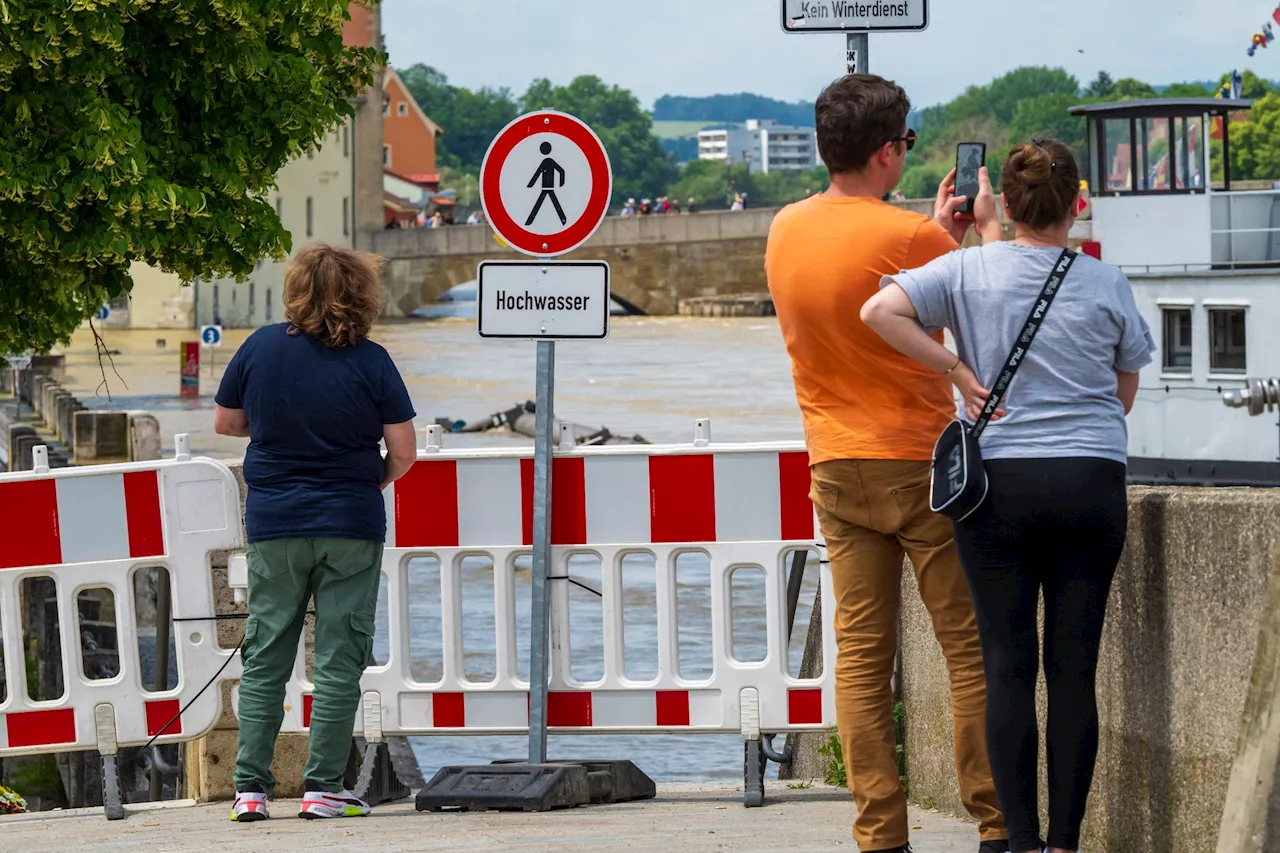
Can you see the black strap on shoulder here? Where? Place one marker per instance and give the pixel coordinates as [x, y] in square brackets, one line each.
[1029, 329]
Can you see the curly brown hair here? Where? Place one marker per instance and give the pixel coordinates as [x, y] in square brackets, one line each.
[332, 294]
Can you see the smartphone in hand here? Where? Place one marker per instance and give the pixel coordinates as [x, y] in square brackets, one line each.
[970, 157]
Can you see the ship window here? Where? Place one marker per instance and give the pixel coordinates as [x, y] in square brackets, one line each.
[1227, 340]
[1177, 340]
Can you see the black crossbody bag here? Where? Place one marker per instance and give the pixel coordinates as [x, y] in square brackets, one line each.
[957, 478]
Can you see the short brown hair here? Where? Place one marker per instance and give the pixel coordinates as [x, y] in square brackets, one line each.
[332, 294]
[1040, 182]
[854, 116]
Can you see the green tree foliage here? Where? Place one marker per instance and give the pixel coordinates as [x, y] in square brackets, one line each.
[1101, 87]
[714, 184]
[1186, 90]
[1047, 116]
[1255, 144]
[921, 180]
[470, 120]
[151, 130]
[732, 108]
[641, 167]
[1129, 89]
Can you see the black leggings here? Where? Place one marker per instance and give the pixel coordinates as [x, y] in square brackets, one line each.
[1056, 525]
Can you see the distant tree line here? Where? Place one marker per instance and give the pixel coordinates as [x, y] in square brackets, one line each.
[1024, 103]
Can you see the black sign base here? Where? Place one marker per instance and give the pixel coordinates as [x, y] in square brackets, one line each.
[517, 786]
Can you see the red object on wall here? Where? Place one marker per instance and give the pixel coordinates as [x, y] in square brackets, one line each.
[190, 370]
[1092, 248]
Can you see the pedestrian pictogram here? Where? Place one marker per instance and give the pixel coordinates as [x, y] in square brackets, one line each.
[546, 183]
[547, 173]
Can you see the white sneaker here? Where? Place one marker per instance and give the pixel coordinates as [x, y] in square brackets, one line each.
[250, 806]
[317, 804]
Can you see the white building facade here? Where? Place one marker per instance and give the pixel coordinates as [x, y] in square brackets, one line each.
[763, 144]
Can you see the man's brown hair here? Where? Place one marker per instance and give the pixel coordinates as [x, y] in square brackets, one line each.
[856, 115]
[331, 294]
[1040, 182]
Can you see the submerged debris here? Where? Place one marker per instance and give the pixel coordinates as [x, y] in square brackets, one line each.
[521, 419]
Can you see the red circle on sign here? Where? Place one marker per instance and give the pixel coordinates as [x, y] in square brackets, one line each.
[575, 233]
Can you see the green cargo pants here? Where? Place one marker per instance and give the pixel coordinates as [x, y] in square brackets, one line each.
[284, 574]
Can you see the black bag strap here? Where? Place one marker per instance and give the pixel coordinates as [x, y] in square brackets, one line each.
[1020, 346]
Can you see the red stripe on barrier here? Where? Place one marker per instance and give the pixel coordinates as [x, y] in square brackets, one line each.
[306, 710]
[565, 709]
[427, 506]
[526, 501]
[160, 712]
[448, 711]
[793, 485]
[673, 707]
[682, 498]
[568, 501]
[142, 509]
[41, 728]
[29, 525]
[804, 707]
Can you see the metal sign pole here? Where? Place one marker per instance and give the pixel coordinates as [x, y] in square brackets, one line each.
[542, 448]
[855, 53]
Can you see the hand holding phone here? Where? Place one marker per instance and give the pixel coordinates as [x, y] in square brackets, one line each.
[970, 158]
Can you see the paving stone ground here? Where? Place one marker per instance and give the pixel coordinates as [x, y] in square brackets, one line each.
[685, 818]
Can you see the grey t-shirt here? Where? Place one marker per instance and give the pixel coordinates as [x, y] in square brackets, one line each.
[1063, 400]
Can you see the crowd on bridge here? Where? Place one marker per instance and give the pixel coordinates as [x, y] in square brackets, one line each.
[989, 517]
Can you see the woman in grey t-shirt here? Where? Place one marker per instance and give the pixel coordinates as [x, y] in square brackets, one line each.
[1055, 514]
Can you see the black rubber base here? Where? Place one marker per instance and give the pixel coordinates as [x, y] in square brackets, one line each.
[610, 781]
[518, 786]
[506, 787]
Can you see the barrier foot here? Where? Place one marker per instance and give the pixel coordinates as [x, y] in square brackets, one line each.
[517, 786]
[112, 804]
[378, 782]
[753, 774]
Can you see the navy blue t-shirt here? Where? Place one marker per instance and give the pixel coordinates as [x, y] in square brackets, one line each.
[315, 418]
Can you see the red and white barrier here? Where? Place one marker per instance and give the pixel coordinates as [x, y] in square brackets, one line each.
[93, 528]
[742, 506]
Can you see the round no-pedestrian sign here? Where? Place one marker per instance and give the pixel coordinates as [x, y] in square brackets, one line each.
[545, 183]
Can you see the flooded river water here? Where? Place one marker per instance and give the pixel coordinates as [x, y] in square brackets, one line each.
[652, 377]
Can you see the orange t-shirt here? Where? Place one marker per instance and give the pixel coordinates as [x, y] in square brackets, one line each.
[860, 398]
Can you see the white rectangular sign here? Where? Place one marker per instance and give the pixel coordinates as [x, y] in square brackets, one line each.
[543, 300]
[838, 16]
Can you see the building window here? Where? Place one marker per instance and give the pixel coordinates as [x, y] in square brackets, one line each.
[386, 156]
[346, 140]
[217, 321]
[252, 289]
[402, 109]
[1226, 340]
[1177, 340]
[346, 220]
[309, 223]
[386, 108]
[279, 207]
[268, 305]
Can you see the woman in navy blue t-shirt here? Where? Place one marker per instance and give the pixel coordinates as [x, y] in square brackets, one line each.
[314, 396]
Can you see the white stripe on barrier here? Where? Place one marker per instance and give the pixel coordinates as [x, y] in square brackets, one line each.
[617, 498]
[489, 509]
[92, 511]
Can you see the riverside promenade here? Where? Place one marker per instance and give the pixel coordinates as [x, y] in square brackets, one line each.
[684, 818]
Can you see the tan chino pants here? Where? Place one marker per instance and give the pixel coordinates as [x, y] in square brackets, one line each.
[871, 513]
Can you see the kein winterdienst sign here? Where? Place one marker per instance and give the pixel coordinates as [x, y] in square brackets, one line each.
[837, 16]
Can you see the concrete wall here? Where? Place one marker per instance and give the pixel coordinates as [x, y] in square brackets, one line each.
[1177, 652]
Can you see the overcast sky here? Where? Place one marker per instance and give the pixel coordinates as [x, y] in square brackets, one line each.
[694, 47]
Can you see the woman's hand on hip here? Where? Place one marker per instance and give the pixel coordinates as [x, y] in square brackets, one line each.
[975, 396]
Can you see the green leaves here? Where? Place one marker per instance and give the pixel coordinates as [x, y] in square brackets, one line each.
[142, 130]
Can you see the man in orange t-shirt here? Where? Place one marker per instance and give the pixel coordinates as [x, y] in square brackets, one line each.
[871, 417]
